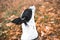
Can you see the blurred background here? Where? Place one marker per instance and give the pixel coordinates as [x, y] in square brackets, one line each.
[47, 18]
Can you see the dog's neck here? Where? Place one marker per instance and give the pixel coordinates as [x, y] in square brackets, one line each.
[29, 31]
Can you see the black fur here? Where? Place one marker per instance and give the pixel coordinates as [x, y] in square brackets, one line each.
[17, 21]
[26, 16]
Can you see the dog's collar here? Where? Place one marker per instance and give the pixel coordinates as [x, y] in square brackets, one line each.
[35, 38]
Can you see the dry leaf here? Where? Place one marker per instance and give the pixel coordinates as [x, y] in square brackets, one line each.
[9, 24]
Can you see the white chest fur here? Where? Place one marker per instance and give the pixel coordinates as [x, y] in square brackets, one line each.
[29, 32]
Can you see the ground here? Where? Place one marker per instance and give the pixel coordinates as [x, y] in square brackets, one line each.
[47, 18]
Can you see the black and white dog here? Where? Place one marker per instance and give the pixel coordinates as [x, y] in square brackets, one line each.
[29, 31]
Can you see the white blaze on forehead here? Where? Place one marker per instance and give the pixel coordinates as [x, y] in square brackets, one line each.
[32, 7]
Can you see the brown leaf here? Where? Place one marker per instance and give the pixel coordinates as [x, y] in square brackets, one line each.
[9, 24]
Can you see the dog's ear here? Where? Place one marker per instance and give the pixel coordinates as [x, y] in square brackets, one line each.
[17, 21]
